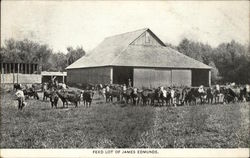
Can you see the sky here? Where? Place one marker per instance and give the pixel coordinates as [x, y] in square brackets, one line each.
[86, 23]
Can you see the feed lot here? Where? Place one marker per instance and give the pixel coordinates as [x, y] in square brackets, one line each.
[107, 125]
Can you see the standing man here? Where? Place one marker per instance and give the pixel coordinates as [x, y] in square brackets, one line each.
[20, 98]
[129, 83]
[124, 88]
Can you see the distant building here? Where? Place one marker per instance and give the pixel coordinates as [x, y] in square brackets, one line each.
[59, 76]
[12, 72]
[141, 57]
[23, 68]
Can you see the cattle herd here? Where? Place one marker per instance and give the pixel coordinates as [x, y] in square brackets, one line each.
[161, 96]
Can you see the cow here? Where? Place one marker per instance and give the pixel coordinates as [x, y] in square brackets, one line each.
[37, 86]
[65, 96]
[145, 96]
[47, 94]
[244, 94]
[17, 86]
[229, 95]
[135, 95]
[54, 99]
[113, 92]
[154, 95]
[87, 96]
[30, 92]
[190, 96]
[127, 94]
[218, 94]
[210, 95]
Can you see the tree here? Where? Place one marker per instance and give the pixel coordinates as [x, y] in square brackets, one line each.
[26, 51]
[74, 54]
[58, 62]
[214, 73]
[232, 60]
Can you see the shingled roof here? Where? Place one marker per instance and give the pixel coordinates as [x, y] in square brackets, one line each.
[118, 51]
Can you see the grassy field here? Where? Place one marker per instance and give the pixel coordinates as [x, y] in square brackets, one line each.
[122, 126]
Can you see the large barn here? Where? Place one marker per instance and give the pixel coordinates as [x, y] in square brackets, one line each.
[141, 57]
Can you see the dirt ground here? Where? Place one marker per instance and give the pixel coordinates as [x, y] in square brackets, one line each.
[113, 125]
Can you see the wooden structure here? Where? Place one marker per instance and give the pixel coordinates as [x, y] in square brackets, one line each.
[141, 57]
[24, 68]
[19, 73]
[48, 75]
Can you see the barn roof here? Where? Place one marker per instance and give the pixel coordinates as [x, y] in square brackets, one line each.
[118, 51]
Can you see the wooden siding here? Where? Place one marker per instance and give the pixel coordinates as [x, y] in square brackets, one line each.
[181, 77]
[20, 78]
[151, 78]
[89, 75]
[146, 39]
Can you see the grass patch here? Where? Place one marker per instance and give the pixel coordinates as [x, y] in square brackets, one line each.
[122, 126]
[102, 125]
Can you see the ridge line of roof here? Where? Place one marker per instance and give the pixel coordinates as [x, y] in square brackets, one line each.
[126, 33]
[119, 55]
[145, 29]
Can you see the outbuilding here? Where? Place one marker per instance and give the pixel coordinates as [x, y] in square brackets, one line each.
[141, 57]
[58, 76]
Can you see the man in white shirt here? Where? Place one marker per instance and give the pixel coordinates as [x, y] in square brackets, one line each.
[20, 98]
[107, 88]
[124, 88]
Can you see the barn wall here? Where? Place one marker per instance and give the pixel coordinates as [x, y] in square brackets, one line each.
[151, 77]
[89, 75]
[181, 77]
[143, 77]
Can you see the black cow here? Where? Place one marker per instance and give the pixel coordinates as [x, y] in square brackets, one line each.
[73, 97]
[30, 92]
[87, 96]
[145, 96]
[127, 95]
[17, 86]
[54, 99]
[47, 94]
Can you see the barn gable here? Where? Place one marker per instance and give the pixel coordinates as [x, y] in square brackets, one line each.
[147, 38]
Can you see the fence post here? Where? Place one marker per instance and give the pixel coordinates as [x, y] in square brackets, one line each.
[17, 72]
[2, 75]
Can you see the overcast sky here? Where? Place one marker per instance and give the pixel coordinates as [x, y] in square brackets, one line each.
[84, 23]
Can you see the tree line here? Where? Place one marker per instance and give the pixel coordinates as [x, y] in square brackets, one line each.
[230, 61]
[27, 51]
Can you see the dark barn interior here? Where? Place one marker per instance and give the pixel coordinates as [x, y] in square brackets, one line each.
[47, 79]
[121, 75]
[200, 77]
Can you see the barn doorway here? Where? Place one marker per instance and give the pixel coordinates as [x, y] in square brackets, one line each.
[200, 77]
[122, 74]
